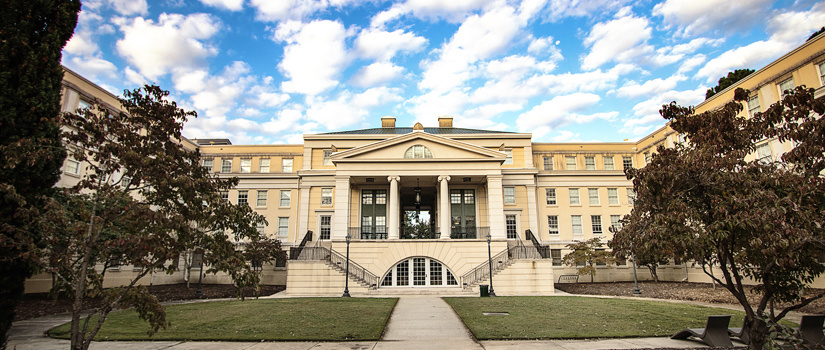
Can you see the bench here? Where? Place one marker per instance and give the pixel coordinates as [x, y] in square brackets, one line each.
[714, 334]
[568, 279]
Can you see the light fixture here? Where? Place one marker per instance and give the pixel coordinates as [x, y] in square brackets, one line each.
[467, 179]
[370, 179]
[417, 196]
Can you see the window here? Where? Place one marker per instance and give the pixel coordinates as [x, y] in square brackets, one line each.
[681, 139]
[615, 222]
[593, 194]
[577, 224]
[608, 163]
[590, 163]
[512, 227]
[327, 157]
[125, 181]
[283, 227]
[553, 224]
[509, 156]
[418, 151]
[72, 167]
[285, 198]
[83, 104]
[263, 167]
[261, 228]
[261, 200]
[822, 73]
[555, 254]
[596, 222]
[785, 86]
[600, 262]
[613, 196]
[753, 105]
[225, 195]
[627, 162]
[243, 197]
[631, 196]
[326, 196]
[548, 163]
[574, 196]
[550, 193]
[571, 163]
[226, 165]
[509, 195]
[647, 157]
[763, 152]
[207, 164]
[246, 165]
[286, 165]
[325, 226]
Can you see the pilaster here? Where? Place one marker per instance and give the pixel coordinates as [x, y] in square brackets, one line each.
[392, 232]
[444, 206]
[340, 221]
[495, 203]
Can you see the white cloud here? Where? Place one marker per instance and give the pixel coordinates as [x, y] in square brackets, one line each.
[427, 107]
[376, 74]
[693, 17]
[691, 63]
[231, 5]
[633, 89]
[314, 56]
[561, 110]
[82, 43]
[377, 96]
[176, 41]
[451, 10]
[214, 95]
[623, 39]
[130, 7]
[795, 27]
[383, 45]
[566, 136]
[92, 67]
[547, 46]
[752, 55]
[134, 77]
[647, 112]
[381, 19]
[282, 10]
[480, 116]
[558, 9]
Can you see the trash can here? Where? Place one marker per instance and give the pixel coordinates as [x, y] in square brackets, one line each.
[485, 291]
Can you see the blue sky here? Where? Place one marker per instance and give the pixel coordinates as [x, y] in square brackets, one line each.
[268, 71]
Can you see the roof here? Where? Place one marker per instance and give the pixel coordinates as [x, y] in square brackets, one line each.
[398, 131]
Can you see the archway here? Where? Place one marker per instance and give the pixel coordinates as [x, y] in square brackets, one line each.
[419, 271]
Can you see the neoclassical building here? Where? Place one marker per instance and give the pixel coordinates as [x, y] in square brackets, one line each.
[418, 203]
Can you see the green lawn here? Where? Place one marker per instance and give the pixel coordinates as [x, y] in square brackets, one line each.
[579, 317]
[256, 320]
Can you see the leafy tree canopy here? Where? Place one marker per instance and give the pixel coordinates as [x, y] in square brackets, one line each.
[586, 255]
[815, 34]
[725, 82]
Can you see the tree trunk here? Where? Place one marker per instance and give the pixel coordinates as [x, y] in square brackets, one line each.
[653, 274]
[758, 333]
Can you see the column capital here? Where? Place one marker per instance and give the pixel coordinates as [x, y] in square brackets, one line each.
[444, 177]
[392, 178]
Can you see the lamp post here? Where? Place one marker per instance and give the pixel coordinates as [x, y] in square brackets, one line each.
[346, 275]
[199, 292]
[636, 290]
[490, 264]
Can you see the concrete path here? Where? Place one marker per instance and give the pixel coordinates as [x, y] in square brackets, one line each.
[419, 322]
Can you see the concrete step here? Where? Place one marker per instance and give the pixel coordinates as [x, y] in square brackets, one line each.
[440, 291]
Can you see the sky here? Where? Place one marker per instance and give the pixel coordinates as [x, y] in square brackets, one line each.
[269, 71]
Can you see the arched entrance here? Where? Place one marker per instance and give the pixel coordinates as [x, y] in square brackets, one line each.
[419, 271]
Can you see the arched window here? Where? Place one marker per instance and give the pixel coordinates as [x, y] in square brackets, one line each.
[418, 151]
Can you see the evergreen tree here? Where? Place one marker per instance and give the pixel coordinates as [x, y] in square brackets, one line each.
[33, 34]
[725, 82]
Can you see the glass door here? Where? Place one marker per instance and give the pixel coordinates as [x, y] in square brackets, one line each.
[373, 214]
[463, 213]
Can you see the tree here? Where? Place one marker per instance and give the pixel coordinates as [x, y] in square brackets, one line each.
[33, 34]
[647, 253]
[586, 255]
[753, 219]
[142, 200]
[822, 30]
[725, 82]
[262, 250]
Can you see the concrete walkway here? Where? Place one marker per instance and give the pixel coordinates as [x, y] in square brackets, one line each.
[417, 322]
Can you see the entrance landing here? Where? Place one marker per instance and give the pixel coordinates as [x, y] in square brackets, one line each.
[429, 322]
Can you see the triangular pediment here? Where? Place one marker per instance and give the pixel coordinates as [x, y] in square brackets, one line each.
[441, 148]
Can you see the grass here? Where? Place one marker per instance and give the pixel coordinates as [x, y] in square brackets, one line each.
[579, 318]
[256, 320]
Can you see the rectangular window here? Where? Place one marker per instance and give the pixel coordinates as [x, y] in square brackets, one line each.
[263, 167]
[647, 157]
[285, 198]
[380, 197]
[326, 196]
[577, 224]
[550, 193]
[615, 222]
[246, 165]
[599, 263]
[753, 105]
[571, 163]
[593, 194]
[225, 195]
[574, 196]
[261, 228]
[785, 86]
[226, 165]
[325, 227]
[681, 139]
[261, 200]
[590, 163]
[512, 227]
[555, 254]
[608, 163]
[613, 196]
[286, 165]
[509, 195]
[763, 152]
[627, 162]
[327, 157]
[83, 104]
[72, 167]
[822, 73]
[207, 164]
[455, 196]
[553, 224]
[548, 163]
[509, 156]
[243, 197]
[631, 196]
[596, 222]
[283, 228]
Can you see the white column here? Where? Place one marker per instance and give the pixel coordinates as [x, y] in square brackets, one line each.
[495, 207]
[532, 211]
[444, 206]
[303, 214]
[340, 221]
[395, 213]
